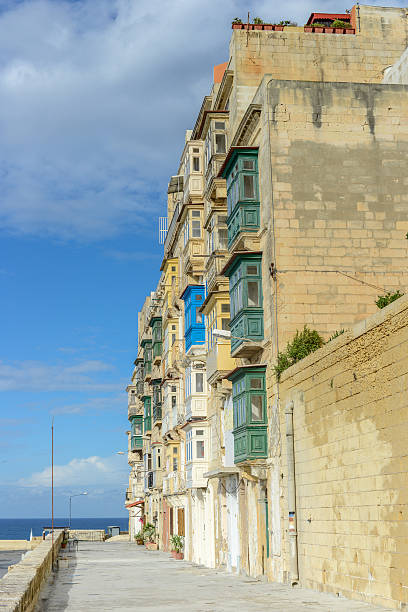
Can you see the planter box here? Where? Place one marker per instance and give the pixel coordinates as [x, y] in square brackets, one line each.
[151, 545]
[173, 554]
[258, 26]
[179, 556]
[339, 30]
[237, 26]
[329, 30]
[308, 29]
[268, 26]
[319, 30]
[278, 28]
[350, 31]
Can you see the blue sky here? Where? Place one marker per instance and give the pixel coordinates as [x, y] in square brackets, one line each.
[95, 96]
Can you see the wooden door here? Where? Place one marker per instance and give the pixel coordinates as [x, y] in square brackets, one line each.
[180, 521]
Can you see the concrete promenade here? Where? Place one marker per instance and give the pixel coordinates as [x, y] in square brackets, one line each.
[123, 576]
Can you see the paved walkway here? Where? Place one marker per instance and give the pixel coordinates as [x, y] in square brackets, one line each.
[126, 577]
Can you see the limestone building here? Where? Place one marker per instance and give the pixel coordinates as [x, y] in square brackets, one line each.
[288, 208]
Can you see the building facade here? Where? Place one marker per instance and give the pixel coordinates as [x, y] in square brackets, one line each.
[288, 208]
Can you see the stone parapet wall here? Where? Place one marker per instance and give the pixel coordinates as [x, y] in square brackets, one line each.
[21, 586]
[90, 535]
[350, 430]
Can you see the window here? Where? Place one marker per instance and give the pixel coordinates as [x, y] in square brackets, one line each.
[173, 268]
[225, 324]
[196, 229]
[173, 401]
[253, 293]
[196, 164]
[219, 125]
[248, 164]
[199, 432]
[195, 213]
[173, 339]
[225, 307]
[223, 239]
[195, 150]
[255, 383]
[220, 143]
[249, 186]
[256, 408]
[200, 449]
[199, 378]
[173, 389]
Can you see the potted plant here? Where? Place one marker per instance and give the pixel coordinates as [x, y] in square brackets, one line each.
[139, 538]
[237, 24]
[177, 542]
[308, 28]
[258, 23]
[339, 26]
[319, 27]
[149, 536]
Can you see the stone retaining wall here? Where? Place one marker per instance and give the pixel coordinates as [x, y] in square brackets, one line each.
[20, 587]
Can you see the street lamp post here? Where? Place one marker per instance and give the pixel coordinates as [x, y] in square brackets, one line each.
[70, 504]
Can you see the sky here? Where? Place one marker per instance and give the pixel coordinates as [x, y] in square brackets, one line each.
[95, 98]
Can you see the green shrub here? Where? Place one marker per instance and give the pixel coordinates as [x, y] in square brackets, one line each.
[258, 21]
[236, 20]
[149, 532]
[319, 25]
[384, 300]
[338, 23]
[177, 542]
[305, 342]
[336, 334]
[287, 22]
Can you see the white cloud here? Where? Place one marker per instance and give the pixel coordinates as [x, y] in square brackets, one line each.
[116, 403]
[95, 96]
[82, 472]
[40, 376]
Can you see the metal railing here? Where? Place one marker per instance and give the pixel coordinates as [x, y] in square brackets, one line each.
[171, 228]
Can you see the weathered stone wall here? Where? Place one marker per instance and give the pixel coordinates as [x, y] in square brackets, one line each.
[20, 587]
[297, 55]
[350, 431]
[336, 214]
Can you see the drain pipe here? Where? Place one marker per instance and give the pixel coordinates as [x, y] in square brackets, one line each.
[292, 529]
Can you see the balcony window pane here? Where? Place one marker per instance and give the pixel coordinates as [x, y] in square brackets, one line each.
[253, 270]
[256, 407]
[249, 186]
[200, 449]
[223, 239]
[199, 316]
[196, 164]
[199, 382]
[225, 307]
[225, 324]
[248, 164]
[220, 144]
[196, 229]
[253, 293]
[219, 125]
[255, 383]
[195, 213]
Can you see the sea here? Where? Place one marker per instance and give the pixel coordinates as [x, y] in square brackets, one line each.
[20, 529]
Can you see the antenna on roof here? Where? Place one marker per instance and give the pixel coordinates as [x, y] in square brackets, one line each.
[247, 29]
